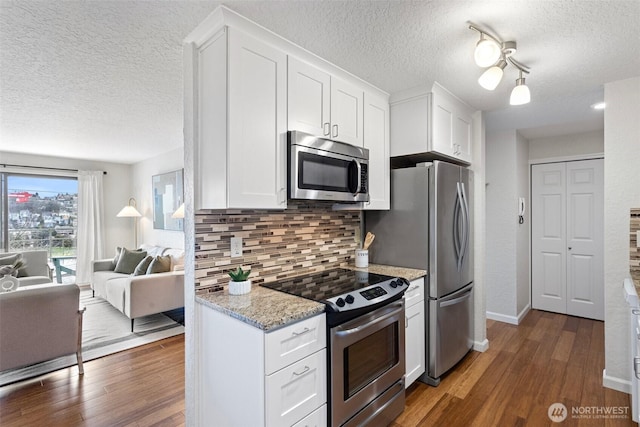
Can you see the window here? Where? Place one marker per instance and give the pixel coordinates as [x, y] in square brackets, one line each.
[39, 212]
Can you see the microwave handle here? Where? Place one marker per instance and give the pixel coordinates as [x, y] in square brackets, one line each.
[358, 179]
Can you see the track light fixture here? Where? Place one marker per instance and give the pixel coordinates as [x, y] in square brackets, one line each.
[494, 54]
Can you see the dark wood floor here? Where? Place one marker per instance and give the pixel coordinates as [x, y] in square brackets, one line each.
[548, 358]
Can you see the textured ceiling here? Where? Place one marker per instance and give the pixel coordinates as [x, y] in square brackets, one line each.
[102, 80]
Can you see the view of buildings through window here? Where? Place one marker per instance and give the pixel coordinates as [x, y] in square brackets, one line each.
[42, 214]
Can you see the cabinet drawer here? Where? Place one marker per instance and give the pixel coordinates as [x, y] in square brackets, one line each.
[317, 418]
[297, 390]
[414, 293]
[287, 345]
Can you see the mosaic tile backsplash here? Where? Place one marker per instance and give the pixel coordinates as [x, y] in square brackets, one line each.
[276, 244]
[634, 251]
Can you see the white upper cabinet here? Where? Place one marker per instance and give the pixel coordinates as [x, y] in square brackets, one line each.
[309, 99]
[240, 104]
[324, 105]
[257, 124]
[435, 123]
[376, 139]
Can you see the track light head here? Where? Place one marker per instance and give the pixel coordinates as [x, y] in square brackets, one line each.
[487, 52]
[520, 94]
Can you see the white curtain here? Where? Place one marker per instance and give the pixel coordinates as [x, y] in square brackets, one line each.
[90, 223]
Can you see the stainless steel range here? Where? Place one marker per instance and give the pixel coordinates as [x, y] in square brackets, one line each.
[365, 336]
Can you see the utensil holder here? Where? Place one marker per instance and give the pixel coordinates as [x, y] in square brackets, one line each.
[362, 258]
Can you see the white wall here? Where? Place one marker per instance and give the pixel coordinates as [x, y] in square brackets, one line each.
[523, 257]
[574, 145]
[479, 232]
[500, 225]
[142, 191]
[621, 192]
[507, 170]
[117, 189]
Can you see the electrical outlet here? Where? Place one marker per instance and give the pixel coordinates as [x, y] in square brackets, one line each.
[236, 247]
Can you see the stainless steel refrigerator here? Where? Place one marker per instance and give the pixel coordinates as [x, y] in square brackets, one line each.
[429, 227]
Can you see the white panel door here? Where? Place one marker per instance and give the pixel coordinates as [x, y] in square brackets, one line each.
[548, 237]
[585, 237]
[567, 223]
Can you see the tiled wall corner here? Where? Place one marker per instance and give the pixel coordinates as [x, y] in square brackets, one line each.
[277, 244]
[634, 251]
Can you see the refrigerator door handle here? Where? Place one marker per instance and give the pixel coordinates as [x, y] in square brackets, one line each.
[464, 247]
[456, 300]
[457, 244]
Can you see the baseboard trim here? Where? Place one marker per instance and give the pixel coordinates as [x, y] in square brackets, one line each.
[481, 346]
[523, 313]
[615, 383]
[513, 320]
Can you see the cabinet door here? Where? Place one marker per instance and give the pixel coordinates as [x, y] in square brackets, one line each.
[309, 99]
[443, 116]
[414, 342]
[462, 133]
[346, 112]
[376, 139]
[257, 124]
[296, 390]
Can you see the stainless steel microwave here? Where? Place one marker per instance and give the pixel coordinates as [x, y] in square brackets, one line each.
[322, 169]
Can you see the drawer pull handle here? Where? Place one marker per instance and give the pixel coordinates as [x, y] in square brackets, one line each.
[635, 311]
[304, 331]
[306, 369]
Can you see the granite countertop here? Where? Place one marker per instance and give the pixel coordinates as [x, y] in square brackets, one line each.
[267, 309]
[407, 273]
[263, 308]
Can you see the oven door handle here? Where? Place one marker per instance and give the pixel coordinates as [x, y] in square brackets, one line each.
[397, 308]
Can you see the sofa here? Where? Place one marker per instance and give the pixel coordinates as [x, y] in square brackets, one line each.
[35, 272]
[39, 323]
[141, 295]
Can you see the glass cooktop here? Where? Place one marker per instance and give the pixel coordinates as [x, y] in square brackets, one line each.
[324, 285]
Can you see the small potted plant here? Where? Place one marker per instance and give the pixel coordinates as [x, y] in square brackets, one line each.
[240, 283]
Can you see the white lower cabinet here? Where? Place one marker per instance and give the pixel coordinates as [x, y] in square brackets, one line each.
[249, 377]
[296, 390]
[317, 418]
[415, 331]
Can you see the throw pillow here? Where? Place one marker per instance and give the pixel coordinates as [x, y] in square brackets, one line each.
[160, 264]
[6, 265]
[141, 269]
[114, 262]
[128, 261]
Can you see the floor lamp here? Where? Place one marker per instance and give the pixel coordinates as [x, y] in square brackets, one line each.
[130, 211]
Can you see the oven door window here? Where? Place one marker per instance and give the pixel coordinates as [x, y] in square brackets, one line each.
[369, 358]
[327, 173]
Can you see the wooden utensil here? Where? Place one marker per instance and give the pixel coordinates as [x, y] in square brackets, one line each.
[368, 240]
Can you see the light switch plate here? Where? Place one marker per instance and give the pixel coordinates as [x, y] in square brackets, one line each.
[638, 239]
[236, 247]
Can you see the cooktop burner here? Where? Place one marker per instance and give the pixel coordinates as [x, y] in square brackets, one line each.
[341, 289]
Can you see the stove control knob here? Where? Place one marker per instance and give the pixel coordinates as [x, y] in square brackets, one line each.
[349, 299]
[340, 302]
[394, 284]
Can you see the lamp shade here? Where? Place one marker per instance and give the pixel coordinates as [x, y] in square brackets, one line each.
[179, 213]
[487, 52]
[129, 211]
[520, 94]
[492, 76]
